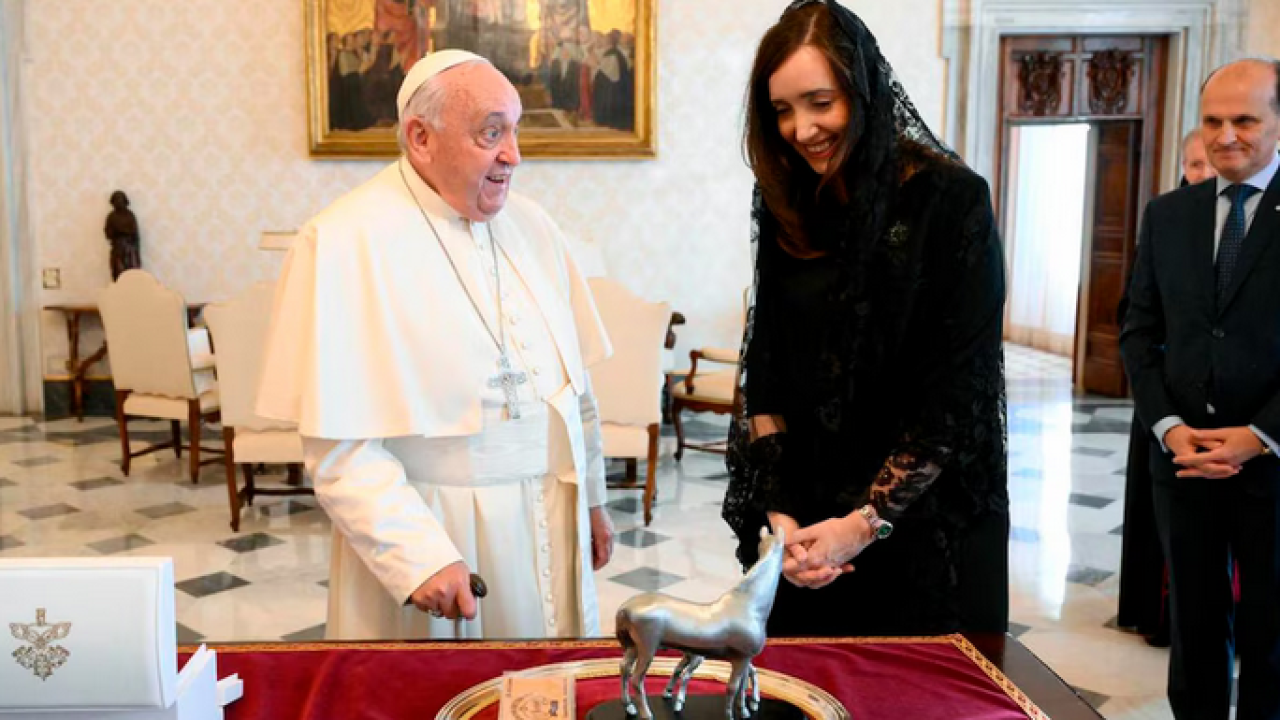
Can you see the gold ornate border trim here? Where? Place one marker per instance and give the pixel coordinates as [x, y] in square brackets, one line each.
[595, 644]
[1015, 693]
[399, 646]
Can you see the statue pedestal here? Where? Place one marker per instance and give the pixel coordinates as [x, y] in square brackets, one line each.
[697, 707]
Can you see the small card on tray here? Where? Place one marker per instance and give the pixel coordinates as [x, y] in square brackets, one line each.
[537, 697]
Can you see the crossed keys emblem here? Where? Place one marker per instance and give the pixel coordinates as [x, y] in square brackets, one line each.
[41, 657]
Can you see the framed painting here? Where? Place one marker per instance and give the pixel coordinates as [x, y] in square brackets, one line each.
[585, 70]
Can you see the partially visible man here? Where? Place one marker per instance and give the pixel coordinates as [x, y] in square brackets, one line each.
[1196, 167]
[1201, 344]
[431, 338]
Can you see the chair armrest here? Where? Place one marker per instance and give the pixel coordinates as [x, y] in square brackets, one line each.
[710, 354]
[721, 355]
[676, 319]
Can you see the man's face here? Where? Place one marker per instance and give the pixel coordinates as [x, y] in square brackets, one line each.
[1238, 119]
[1195, 162]
[469, 161]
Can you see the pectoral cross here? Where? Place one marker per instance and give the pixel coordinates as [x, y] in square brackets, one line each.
[508, 380]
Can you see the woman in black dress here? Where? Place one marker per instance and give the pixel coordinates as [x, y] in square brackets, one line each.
[873, 426]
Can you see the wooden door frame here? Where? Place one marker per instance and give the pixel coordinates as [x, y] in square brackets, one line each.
[1152, 127]
[1204, 34]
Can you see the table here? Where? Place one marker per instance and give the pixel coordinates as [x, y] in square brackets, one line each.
[992, 677]
[79, 368]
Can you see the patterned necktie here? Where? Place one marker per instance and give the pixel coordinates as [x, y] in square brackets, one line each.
[1233, 232]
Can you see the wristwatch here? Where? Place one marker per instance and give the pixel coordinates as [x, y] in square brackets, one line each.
[880, 528]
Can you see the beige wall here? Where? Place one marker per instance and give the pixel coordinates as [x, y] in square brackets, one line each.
[1263, 35]
[197, 110]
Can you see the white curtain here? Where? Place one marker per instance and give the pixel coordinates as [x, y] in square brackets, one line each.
[20, 377]
[1045, 224]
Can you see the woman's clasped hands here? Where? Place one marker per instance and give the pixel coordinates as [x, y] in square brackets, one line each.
[818, 554]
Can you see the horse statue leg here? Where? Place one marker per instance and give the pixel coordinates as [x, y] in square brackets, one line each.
[627, 667]
[754, 702]
[674, 683]
[733, 694]
[644, 657]
[744, 691]
[690, 668]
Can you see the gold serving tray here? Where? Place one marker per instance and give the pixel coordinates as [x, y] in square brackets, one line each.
[815, 702]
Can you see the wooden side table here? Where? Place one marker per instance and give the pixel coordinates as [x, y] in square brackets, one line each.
[80, 367]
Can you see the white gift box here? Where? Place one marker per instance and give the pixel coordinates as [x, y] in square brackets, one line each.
[87, 634]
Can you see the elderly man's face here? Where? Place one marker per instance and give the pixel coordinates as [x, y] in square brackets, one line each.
[472, 156]
[1195, 162]
[1238, 119]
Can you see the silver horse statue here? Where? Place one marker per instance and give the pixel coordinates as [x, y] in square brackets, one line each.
[730, 628]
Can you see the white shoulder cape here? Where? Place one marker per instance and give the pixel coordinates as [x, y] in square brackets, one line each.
[372, 335]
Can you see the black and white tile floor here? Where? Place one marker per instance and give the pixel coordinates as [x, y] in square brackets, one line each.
[62, 494]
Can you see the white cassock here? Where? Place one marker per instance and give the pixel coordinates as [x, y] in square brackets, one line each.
[379, 354]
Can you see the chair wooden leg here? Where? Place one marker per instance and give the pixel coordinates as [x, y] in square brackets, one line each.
[675, 420]
[122, 421]
[249, 488]
[632, 470]
[175, 427]
[229, 460]
[193, 419]
[651, 475]
[295, 475]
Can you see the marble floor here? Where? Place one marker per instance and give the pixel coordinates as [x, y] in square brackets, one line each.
[62, 494]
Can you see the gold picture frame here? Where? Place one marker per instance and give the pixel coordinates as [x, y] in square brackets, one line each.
[355, 52]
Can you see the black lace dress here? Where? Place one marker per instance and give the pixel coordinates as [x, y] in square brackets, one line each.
[890, 354]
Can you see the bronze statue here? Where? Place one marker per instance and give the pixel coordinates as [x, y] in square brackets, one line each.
[122, 233]
[730, 628]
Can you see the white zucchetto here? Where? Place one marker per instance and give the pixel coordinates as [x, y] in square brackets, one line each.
[428, 67]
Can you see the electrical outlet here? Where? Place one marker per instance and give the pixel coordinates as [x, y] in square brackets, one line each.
[52, 278]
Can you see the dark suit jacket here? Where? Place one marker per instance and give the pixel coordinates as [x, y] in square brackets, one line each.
[1181, 351]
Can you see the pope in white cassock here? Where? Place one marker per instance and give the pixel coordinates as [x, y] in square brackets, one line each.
[430, 338]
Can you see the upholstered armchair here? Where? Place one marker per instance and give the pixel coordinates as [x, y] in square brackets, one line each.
[161, 367]
[239, 330]
[710, 385]
[710, 388]
[628, 386]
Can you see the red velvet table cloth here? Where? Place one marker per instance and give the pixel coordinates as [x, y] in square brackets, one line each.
[920, 678]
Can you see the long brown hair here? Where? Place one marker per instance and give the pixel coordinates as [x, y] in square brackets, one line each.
[772, 159]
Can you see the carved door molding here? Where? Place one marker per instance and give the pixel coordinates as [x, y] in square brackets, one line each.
[1040, 83]
[1076, 77]
[1110, 74]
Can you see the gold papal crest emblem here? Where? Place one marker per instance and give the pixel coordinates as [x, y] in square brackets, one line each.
[41, 656]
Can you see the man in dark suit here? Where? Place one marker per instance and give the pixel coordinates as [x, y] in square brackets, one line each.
[1201, 343]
